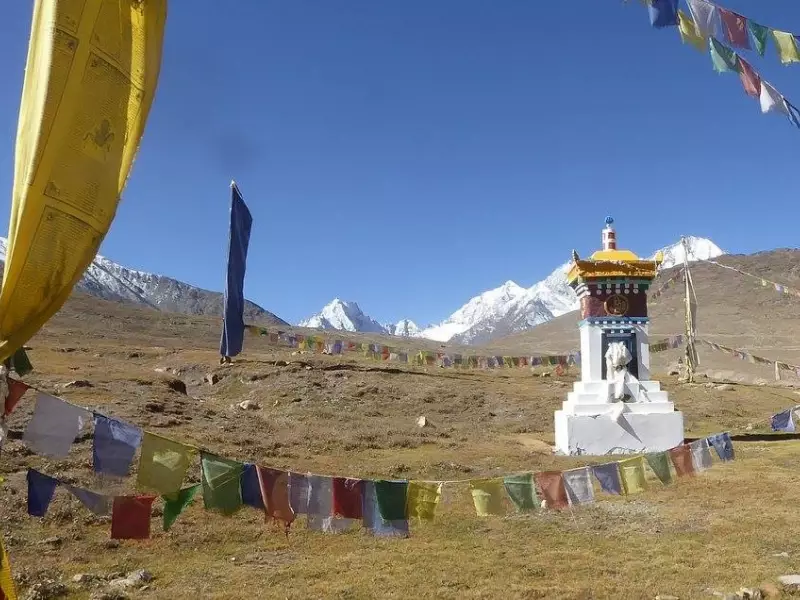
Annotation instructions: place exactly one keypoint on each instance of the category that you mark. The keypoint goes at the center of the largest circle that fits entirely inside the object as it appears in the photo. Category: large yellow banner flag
(90, 78)
(7, 591)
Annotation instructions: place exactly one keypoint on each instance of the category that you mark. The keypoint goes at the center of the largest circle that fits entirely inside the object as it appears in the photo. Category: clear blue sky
(409, 155)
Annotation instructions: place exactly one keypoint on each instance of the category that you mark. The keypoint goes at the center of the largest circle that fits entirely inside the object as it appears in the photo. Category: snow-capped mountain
(345, 316)
(509, 308)
(110, 281)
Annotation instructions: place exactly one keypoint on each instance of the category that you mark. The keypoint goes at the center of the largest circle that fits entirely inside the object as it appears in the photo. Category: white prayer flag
(771, 100)
(54, 426)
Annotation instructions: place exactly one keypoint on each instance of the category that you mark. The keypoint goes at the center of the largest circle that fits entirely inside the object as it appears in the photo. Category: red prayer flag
(130, 517)
(347, 497)
(750, 79)
(682, 459)
(16, 390)
(552, 490)
(735, 27)
(274, 486)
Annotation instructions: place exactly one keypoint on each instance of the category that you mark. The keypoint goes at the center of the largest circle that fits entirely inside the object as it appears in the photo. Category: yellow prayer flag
(633, 475)
(163, 464)
(90, 79)
(487, 495)
(422, 499)
(787, 47)
(689, 32)
(7, 591)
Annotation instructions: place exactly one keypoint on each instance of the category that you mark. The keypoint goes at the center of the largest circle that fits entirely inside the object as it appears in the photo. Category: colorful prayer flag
(16, 390)
(347, 497)
(54, 426)
(175, 504)
(274, 485)
(221, 483)
(130, 517)
(298, 493)
(735, 27)
(578, 483)
(659, 463)
(783, 421)
(705, 17)
(689, 35)
(723, 445)
(609, 478)
(759, 34)
(233, 302)
(374, 522)
(723, 58)
(663, 13)
(163, 464)
(7, 591)
(115, 443)
(251, 490)
(422, 499)
(751, 82)
(771, 100)
(487, 496)
(320, 506)
(550, 485)
(681, 457)
(392, 498)
(701, 455)
(98, 504)
(41, 489)
(633, 475)
(522, 491)
(787, 47)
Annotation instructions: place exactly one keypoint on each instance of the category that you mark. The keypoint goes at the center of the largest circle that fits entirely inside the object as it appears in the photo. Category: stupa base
(633, 433)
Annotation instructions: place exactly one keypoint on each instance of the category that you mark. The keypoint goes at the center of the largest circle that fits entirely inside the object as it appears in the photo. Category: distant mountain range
(502, 311)
(111, 281)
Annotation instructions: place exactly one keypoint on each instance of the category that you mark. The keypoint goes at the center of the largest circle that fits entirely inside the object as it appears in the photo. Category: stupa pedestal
(615, 408)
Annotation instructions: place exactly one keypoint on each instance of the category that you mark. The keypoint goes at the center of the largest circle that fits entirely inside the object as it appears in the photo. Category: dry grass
(718, 530)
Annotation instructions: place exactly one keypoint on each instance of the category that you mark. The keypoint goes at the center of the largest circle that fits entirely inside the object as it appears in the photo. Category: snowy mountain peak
(698, 248)
(343, 315)
(403, 328)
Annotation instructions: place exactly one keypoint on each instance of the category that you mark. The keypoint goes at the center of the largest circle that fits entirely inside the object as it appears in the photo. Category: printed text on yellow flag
(90, 78)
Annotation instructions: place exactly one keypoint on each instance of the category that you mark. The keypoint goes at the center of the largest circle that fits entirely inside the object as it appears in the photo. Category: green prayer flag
(723, 58)
(222, 489)
(659, 463)
(759, 34)
(391, 497)
(19, 362)
(163, 464)
(175, 504)
(522, 491)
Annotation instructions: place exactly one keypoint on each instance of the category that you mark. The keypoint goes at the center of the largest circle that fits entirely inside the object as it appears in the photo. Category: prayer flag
(783, 421)
(54, 426)
(659, 463)
(115, 443)
(392, 497)
(608, 476)
(41, 488)
(373, 521)
(701, 455)
(175, 504)
(16, 390)
(689, 35)
(98, 504)
(681, 457)
(551, 489)
(163, 464)
(233, 308)
(794, 118)
(487, 496)
(633, 477)
(663, 13)
(19, 362)
(787, 47)
(347, 497)
(251, 490)
(130, 517)
(578, 483)
(759, 34)
(705, 17)
(422, 499)
(274, 485)
(298, 493)
(221, 483)
(771, 100)
(522, 491)
(723, 445)
(751, 82)
(320, 506)
(735, 27)
(7, 591)
(723, 58)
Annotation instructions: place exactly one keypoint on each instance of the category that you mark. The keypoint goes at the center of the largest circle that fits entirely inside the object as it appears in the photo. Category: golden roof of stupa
(605, 264)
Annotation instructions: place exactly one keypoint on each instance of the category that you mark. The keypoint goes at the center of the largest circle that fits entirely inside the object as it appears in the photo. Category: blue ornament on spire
(609, 221)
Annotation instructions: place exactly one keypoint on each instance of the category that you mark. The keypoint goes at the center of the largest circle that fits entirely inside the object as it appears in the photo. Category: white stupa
(615, 408)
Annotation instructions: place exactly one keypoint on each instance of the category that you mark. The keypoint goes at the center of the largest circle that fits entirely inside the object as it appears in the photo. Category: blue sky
(409, 155)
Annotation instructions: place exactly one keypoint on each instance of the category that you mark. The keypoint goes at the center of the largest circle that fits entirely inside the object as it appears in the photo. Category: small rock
(750, 594)
(422, 422)
(249, 405)
(790, 580)
(46, 590)
(135, 579)
(111, 544)
(297, 399)
(276, 403)
(666, 597)
(52, 541)
(83, 578)
(78, 383)
(749, 427)
(309, 367)
(724, 387)
(781, 555)
(162, 369)
(211, 378)
(152, 406)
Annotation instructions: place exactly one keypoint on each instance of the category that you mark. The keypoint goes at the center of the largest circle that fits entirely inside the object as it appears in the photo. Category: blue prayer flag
(783, 421)
(608, 476)
(41, 488)
(233, 308)
(97, 503)
(251, 490)
(723, 445)
(115, 443)
(373, 521)
(663, 13)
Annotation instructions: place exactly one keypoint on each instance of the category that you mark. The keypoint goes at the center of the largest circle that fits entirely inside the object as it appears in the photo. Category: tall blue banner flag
(233, 308)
